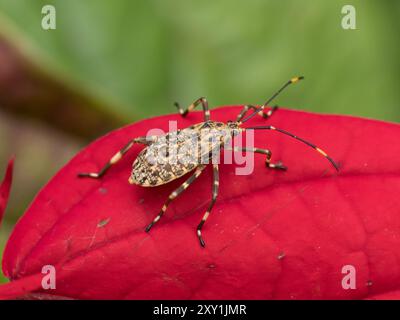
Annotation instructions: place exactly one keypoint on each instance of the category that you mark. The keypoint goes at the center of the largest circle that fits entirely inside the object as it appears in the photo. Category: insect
(154, 165)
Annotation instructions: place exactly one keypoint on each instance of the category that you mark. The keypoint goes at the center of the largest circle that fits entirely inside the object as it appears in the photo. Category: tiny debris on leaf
(281, 256)
(103, 223)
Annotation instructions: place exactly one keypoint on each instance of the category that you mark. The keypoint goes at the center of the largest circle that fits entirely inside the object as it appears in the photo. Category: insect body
(190, 150)
(173, 155)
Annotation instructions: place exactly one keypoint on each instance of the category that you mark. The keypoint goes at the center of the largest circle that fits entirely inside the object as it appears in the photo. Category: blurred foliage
(29, 91)
(40, 151)
(147, 54)
(3, 240)
(138, 57)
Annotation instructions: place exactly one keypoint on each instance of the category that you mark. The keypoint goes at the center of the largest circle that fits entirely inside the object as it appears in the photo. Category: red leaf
(271, 234)
(5, 187)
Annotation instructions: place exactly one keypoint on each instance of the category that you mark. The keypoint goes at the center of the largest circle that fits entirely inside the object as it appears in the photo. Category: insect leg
(263, 114)
(175, 194)
(117, 157)
(279, 165)
(201, 101)
(319, 150)
(214, 198)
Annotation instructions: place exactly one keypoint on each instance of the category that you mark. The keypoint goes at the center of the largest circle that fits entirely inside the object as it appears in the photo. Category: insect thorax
(179, 152)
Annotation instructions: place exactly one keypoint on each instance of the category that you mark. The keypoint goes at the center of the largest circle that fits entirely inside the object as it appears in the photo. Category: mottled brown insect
(177, 153)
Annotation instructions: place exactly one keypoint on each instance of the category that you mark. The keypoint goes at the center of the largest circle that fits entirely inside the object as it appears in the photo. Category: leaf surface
(271, 234)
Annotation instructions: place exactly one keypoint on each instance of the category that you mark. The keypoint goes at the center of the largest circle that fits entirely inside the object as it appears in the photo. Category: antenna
(293, 80)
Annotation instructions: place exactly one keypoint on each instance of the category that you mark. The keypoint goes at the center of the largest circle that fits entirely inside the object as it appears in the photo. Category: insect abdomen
(146, 174)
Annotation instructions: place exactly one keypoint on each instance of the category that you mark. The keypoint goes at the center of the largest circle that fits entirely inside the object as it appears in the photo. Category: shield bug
(170, 156)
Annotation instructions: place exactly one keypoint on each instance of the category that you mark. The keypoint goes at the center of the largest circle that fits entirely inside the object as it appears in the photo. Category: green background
(138, 57)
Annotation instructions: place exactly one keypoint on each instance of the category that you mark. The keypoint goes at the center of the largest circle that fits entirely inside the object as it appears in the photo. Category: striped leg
(214, 198)
(279, 165)
(117, 157)
(175, 194)
(201, 101)
(263, 114)
(319, 150)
